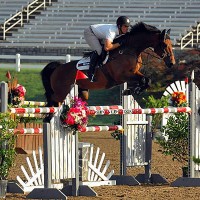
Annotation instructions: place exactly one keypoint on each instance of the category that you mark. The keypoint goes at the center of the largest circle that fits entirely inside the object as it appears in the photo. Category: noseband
(164, 54)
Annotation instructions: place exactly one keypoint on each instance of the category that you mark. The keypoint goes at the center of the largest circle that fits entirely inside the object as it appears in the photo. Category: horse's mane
(142, 27)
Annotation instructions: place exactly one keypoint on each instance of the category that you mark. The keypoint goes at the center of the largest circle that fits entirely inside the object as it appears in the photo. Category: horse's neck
(122, 51)
(136, 44)
(143, 41)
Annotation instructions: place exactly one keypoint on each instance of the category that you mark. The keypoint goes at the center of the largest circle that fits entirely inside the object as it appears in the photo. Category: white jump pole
(3, 96)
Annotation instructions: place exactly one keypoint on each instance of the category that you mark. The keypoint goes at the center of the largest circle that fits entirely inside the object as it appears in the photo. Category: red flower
(20, 91)
(75, 116)
(70, 119)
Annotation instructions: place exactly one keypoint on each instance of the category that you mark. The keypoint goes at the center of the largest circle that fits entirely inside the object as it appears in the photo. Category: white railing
(187, 36)
(19, 57)
(20, 20)
(198, 33)
(36, 8)
(28, 12)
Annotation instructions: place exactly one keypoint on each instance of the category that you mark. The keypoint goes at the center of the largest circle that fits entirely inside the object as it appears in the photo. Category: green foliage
(176, 143)
(151, 102)
(196, 160)
(7, 142)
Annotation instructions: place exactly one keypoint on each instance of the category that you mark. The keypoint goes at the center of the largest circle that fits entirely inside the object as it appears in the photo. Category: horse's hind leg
(83, 94)
(51, 103)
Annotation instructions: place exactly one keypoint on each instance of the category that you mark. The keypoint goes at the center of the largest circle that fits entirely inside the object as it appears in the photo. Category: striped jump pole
(84, 129)
(101, 128)
(95, 109)
(31, 115)
(45, 110)
(28, 130)
(111, 107)
(34, 103)
(139, 111)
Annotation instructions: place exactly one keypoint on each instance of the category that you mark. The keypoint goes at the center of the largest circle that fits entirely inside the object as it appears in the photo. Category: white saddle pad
(83, 64)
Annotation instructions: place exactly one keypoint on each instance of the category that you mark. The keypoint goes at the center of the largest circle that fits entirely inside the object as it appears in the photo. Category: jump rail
(86, 129)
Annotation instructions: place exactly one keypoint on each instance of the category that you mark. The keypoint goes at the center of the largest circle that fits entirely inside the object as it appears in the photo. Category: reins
(148, 55)
(121, 51)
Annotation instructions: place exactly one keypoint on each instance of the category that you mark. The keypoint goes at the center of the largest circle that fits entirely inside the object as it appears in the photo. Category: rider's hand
(110, 46)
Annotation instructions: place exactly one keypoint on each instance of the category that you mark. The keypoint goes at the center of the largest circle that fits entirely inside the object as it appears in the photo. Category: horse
(122, 66)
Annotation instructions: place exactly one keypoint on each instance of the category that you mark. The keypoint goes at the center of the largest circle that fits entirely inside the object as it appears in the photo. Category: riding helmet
(123, 20)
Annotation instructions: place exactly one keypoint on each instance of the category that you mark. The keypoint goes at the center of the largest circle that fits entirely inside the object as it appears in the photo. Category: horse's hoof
(137, 91)
(48, 118)
(126, 92)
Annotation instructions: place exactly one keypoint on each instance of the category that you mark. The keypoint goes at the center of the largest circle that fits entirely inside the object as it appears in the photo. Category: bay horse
(122, 66)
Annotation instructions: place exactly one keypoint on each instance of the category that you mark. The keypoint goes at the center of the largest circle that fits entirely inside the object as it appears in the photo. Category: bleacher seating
(63, 22)
(10, 7)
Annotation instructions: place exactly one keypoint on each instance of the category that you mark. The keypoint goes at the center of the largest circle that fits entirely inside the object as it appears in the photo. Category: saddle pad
(83, 64)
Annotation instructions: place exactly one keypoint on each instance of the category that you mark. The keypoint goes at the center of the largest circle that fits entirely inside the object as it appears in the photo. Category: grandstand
(59, 24)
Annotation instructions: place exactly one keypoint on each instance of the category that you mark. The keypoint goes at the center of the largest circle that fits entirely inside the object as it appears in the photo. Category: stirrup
(93, 79)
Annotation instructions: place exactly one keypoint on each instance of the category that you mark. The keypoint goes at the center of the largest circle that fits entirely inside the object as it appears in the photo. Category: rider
(105, 33)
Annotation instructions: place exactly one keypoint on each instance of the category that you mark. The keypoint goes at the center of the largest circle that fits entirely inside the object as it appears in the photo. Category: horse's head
(164, 48)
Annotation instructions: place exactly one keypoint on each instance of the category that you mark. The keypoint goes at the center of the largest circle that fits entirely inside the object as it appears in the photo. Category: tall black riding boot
(93, 63)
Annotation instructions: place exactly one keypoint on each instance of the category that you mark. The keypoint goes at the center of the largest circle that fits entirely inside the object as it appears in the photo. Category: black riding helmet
(123, 20)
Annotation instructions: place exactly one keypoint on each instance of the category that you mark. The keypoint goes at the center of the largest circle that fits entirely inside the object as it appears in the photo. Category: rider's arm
(110, 46)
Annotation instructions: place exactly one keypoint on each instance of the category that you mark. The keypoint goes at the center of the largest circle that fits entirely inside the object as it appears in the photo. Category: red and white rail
(139, 111)
(34, 103)
(85, 129)
(105, 107)
(28, 130)
(101, 128)
(34, 110)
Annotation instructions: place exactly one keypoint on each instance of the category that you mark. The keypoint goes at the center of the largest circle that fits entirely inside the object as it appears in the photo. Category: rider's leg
(94, 43)
(92, 40)
(93, 63)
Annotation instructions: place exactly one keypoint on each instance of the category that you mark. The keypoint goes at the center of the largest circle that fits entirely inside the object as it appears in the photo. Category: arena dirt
(161, 164)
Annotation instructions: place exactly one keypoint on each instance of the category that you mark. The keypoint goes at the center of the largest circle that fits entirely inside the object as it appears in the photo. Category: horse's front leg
(137, 84)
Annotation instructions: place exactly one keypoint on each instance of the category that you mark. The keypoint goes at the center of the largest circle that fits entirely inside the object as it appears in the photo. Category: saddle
(84, 63)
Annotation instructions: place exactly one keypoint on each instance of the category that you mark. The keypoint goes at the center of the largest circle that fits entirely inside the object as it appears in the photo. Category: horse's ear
(162, 35)
(168, 31)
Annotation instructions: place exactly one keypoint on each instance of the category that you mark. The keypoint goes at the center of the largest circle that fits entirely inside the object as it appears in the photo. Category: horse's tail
(45, 75)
